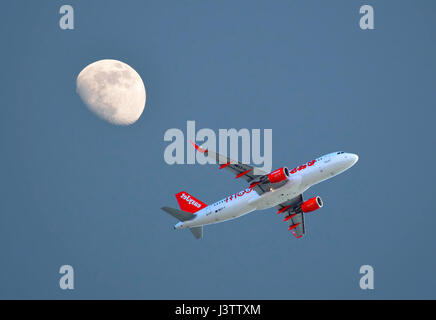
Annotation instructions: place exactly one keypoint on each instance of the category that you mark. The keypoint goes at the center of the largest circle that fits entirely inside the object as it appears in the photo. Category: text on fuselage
(303, 166)
(239, 194)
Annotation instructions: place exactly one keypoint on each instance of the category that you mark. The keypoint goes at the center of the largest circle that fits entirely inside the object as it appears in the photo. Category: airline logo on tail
(189, 203)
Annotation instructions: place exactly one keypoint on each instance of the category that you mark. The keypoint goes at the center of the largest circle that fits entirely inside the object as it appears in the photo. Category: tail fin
(189, 203)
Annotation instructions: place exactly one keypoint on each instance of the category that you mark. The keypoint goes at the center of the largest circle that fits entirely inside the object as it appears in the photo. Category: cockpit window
(340, 152)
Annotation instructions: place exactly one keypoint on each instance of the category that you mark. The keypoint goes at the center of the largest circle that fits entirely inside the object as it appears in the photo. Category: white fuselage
(300, 179)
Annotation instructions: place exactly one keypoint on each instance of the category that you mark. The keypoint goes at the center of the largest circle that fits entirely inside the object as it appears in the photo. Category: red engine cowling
(278, 175)
(311, 204)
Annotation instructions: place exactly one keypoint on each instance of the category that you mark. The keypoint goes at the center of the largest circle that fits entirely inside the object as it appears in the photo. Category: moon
(112, 90)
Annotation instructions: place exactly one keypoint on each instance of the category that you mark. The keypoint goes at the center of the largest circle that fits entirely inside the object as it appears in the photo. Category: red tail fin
(189, 203)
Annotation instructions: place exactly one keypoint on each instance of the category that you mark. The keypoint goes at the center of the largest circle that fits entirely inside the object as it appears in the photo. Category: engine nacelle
(312, 204)
(278, 175)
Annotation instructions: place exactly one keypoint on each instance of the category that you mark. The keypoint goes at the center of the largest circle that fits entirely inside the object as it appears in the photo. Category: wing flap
(293, 215)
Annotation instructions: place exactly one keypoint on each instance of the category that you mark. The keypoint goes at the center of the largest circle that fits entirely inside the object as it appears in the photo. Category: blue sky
(77, 190)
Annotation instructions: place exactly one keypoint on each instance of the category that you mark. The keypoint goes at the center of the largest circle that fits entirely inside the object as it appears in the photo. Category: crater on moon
(113, 90)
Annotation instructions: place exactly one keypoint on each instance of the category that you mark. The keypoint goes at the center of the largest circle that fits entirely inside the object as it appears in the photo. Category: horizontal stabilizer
(197, 232)
(178, 214)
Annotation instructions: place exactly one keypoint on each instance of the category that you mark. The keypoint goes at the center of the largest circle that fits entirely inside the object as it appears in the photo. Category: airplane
(282, 189)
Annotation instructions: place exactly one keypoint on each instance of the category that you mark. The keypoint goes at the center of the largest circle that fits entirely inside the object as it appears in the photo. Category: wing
(293, 215)
(257, 178)
(249, 173)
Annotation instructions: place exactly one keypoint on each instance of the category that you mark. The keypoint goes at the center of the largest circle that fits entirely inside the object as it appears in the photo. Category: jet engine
(278, 175)
(311, 205)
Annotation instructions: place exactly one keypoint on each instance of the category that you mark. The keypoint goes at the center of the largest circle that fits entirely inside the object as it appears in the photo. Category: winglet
(295, 235)
(198, 148)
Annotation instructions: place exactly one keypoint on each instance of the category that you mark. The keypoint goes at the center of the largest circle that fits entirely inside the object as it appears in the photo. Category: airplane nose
(353, 158)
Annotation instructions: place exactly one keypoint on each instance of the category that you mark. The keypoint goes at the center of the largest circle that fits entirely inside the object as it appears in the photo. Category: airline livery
(282, 189)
